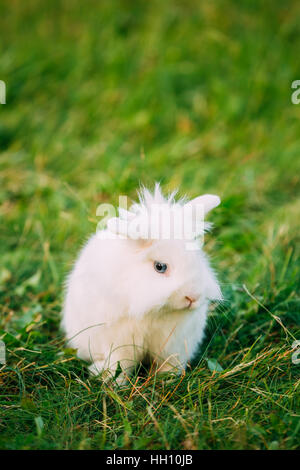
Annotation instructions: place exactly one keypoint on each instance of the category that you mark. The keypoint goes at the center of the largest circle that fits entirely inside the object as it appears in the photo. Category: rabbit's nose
(190, 299)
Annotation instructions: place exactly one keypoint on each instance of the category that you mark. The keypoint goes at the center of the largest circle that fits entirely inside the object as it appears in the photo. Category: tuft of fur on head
(138, 221)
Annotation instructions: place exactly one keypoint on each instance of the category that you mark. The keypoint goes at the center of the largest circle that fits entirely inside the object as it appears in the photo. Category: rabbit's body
(119, 309)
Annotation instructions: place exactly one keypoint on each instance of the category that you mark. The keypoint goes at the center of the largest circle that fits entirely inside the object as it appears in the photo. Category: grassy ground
(100, 97)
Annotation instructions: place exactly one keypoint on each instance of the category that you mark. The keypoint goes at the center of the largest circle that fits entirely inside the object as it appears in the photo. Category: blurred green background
(103, 96)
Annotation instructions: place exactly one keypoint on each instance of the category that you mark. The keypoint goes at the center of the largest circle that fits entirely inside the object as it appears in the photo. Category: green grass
(100, 97)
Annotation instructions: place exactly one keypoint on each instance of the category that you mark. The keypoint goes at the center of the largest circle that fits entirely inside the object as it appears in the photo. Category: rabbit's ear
(125, 214)
(130, 230)
(118, 226)
(208, 201)
(122, 227)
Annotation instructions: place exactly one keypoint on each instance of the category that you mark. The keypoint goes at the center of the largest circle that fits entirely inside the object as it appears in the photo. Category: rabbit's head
(163, 267)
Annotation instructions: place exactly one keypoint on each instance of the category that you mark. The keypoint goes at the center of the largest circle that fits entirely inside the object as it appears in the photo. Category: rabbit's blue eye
(160, 267)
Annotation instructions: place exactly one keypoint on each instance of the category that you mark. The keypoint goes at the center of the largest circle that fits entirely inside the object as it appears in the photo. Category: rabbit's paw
(107, 375)
(98, 368)
(122, 379)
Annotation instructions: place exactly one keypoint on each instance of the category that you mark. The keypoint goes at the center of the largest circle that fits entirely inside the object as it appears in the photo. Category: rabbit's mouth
(185, 303)
(190, 301)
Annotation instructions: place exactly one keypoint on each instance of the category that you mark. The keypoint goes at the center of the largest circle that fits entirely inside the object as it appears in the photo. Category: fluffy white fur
(119, 309)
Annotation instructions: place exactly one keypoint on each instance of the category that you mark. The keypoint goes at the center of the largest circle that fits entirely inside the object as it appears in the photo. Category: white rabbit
(130, 297)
